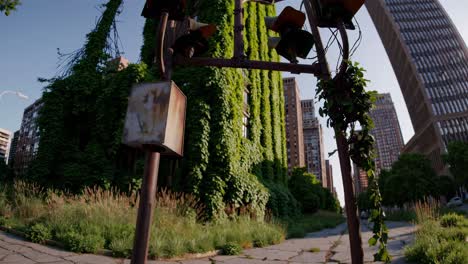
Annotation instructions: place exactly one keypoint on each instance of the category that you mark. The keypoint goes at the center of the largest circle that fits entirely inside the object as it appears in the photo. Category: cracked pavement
(326, 246)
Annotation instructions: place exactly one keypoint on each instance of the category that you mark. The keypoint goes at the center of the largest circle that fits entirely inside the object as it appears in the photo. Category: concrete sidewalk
(326, 246)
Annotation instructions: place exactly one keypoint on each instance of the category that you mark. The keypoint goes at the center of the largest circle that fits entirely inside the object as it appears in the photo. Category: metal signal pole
(150, 176)
(357, 254)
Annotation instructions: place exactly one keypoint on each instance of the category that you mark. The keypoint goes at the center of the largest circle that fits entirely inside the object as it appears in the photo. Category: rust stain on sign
(156, 117)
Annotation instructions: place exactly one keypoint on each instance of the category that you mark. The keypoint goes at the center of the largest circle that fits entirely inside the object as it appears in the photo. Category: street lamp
(17, 93)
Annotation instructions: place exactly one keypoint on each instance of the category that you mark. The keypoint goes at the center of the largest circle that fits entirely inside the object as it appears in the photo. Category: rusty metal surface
(249, 64)
(156, 116)
(146, 208)
(175, 128)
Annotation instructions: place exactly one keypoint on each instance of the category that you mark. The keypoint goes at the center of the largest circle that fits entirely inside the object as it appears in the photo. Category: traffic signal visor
(293, 41)
(289, 18)
(195, 43)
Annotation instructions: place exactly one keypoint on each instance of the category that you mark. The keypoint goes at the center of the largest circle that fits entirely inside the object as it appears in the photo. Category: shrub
(231, 249)
(310, 202)
(308, 191)
(39, 233)
(452, 220)
(82, 243)
(436, 244)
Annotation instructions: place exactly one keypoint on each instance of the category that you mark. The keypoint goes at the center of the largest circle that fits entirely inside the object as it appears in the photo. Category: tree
(363, 201)
(309, 192)
(6, 6)
(411, 179)
(457, 158)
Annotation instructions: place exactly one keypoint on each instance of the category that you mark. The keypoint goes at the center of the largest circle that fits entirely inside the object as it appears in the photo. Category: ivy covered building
(235, 152)
(235, 133)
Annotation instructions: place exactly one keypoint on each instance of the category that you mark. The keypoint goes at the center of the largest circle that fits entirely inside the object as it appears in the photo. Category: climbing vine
(230, 173)
(347, 105)
(81, 120)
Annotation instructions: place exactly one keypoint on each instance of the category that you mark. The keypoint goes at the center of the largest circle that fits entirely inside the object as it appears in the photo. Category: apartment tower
(294, 136)
(430, 61)
(329, 174)
(5, 136)
(313, 142)
(13, 145)
(28, 139)
(387, 133)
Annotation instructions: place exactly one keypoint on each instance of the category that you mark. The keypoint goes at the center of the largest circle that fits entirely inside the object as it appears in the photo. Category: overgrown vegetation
(309, 192)
(81, 121)
(104, 219)
(457, 158)
(299, 227)
(439, 239)
(412, 179)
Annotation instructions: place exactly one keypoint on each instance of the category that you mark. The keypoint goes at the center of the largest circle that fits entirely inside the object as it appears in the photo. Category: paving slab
(333, 245)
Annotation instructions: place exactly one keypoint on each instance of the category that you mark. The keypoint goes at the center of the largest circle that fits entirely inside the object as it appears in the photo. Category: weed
(231, 249)
(39, 233)
(314, 250)
(439, 241)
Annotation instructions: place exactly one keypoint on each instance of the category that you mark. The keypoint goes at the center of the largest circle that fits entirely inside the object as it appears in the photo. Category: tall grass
(440, 239)
(105, 219)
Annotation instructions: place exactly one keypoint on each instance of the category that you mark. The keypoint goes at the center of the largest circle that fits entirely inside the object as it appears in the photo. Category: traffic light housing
(293, 41)
(329, 12)
(175, 8)
(195, 43)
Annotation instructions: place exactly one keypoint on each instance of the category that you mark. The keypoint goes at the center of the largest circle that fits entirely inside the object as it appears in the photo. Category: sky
(31, 36)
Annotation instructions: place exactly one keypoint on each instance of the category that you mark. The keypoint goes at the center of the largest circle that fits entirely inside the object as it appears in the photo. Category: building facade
(329, 176)
(28, 139)
(313, 142)
(293, 118)
(387, 133)
(13, 145)
(5, 137)
(360, 180)
(430, 61)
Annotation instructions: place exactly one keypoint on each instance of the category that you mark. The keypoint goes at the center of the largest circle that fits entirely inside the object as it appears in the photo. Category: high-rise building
(313, 142)
(386, 131)
(430, 60)
(28, 139)
(13, 145)
(4, 144)
(360, 179)
(293, 113)
(329, 174)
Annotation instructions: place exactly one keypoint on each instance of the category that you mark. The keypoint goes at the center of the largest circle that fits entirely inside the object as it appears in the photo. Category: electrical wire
(358, 42)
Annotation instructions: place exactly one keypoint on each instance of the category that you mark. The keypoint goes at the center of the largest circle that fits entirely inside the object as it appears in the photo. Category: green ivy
(224, 169)
(347, 104)
(81, 121)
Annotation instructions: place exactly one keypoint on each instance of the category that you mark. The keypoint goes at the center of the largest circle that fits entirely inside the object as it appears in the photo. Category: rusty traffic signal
(195, 43)
(330, 12)
(293, 41)
(175, 8)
